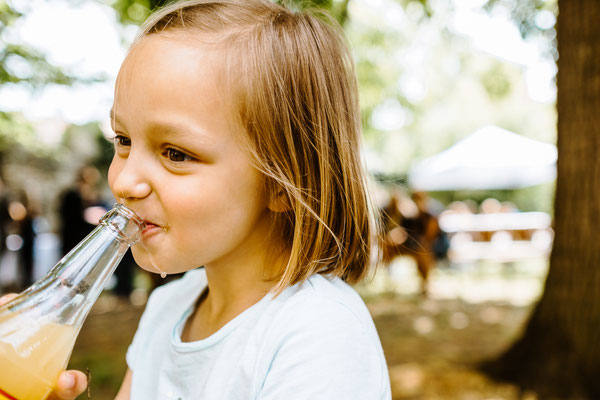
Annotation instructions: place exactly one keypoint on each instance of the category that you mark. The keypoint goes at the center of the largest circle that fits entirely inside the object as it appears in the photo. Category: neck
(233, 287)
(228, 293)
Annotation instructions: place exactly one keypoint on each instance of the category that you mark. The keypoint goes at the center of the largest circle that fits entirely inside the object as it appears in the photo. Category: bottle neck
(68, 292)
(85, 271)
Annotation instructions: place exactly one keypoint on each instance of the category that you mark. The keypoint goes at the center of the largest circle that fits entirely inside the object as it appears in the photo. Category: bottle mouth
(125, 223)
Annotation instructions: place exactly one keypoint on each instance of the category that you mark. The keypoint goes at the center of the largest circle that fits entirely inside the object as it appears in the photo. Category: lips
(151, 229)
(149, 226)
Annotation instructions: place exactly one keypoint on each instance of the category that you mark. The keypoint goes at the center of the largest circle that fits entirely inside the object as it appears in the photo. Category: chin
(146, 261)
(146, 266)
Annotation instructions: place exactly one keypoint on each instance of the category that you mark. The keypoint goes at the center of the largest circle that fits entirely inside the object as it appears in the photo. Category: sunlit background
(458, 102)
(430, 74)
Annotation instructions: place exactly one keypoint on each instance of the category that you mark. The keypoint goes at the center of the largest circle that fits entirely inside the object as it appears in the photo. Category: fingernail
(66, 381)
(6, 298)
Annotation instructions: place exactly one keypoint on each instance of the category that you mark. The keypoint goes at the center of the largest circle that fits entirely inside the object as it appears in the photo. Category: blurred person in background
(27, 233)
(74, 202)
(4, 217)
(490, 206)
(422, 231)
(81, 208)
(124, 274)
(411, 229)
(22, 237)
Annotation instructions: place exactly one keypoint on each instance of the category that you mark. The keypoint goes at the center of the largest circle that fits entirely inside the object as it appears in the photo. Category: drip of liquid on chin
(163, 274)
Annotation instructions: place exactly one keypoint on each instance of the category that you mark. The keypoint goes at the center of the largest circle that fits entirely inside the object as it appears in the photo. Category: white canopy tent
(490, 158)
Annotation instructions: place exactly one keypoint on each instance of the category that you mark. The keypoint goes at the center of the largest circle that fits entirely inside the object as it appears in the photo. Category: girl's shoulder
(325, 289)
(322, 303)
(322, 325)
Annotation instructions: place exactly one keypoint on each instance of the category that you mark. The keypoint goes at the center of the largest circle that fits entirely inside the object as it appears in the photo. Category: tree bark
(559, 352)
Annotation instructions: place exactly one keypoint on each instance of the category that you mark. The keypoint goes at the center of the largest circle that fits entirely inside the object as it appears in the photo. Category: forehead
(172, 72)
(173, 59)
(174, 79)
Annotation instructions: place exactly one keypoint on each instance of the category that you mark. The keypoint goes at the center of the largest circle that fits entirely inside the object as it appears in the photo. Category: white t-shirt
(313, 341)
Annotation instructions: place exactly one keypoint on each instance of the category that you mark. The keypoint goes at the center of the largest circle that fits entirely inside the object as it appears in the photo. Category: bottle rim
(130, 215)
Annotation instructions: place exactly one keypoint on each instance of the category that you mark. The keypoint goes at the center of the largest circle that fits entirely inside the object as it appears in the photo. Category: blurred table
(502, 237)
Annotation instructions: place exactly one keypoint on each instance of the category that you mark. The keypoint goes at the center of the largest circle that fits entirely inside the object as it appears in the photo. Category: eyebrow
(181, 132)
(175, 129)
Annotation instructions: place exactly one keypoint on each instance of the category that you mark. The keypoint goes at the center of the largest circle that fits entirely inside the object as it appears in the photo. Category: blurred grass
(102, 344)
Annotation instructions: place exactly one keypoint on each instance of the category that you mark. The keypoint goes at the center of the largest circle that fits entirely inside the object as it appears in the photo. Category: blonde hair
(296, 98)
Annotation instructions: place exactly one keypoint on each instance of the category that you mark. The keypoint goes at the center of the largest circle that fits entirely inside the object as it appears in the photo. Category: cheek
(200, 212)
(215, 205)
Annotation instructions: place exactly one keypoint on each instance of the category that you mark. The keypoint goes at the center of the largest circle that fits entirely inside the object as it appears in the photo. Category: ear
(279, 202)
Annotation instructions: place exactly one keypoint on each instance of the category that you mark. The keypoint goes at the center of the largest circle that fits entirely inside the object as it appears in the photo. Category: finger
(6, 298)
(70, 384)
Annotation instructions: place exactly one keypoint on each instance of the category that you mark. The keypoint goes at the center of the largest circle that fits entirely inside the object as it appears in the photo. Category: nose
(129, 179)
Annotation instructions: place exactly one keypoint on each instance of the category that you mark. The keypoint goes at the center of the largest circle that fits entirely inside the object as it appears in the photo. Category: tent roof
(490, 158)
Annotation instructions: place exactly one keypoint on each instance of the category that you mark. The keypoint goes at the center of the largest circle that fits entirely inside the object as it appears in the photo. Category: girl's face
(177, 161)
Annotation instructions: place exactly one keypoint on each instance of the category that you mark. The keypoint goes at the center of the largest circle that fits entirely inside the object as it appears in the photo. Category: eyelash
(120, 139)
(169, 152)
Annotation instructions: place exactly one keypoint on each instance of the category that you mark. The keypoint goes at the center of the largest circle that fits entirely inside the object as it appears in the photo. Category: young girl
(237, 132)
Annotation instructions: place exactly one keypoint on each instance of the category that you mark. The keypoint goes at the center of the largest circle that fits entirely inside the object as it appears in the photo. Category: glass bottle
(38, 328)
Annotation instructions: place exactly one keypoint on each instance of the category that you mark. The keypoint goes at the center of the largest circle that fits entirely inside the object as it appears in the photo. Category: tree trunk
(559, 353)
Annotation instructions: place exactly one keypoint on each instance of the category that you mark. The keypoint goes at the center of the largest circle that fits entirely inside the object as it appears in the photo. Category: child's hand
(70, 383)
(6, 298)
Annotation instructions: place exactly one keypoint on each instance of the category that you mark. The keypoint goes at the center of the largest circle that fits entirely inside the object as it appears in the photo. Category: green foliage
(23, 65)
(136, 11)
(525, 13)
(7, 15)
(496, 82)
(14, 129)
(528, 15)
(441, 88)
(31, 66)
(424, 5)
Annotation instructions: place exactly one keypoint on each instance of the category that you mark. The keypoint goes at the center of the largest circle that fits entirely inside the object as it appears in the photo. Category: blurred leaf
(7, 15)
(38, 71)
(133, 11)
(13, 129)
(525, 13)
(496, 82)
(136, 11)
(41, 73)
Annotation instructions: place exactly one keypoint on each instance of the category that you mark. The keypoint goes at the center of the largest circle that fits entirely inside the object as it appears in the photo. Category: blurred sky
(86, 40)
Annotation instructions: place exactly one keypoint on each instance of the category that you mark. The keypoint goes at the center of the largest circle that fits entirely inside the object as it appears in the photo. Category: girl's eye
(122, 145)
(176, 155)
(121, 140)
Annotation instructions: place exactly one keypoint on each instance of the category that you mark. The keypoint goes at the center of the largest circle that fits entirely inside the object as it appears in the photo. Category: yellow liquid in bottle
(29, 367)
